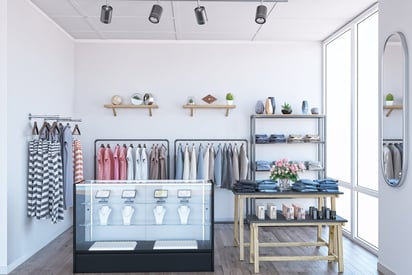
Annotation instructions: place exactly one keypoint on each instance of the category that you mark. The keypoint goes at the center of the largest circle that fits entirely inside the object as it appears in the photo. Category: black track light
(261, 13)
(201, 17)
(106, 14)
(155, 14)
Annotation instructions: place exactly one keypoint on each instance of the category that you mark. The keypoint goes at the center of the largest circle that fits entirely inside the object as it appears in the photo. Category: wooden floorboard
(57, 258)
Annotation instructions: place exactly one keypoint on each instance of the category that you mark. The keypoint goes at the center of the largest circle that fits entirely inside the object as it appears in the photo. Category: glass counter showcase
(141, 226)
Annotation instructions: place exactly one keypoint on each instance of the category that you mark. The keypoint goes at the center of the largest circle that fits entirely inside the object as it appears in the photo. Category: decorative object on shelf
(285, 171)
(127, 214)
(273, 101)
(136, 99)
(159, 213)
(117, 100)
(104, 213)
(314, 111)
(389, 99)
(268, 106)
(191, 100)
(229, 98)
(305, 107)
(259, 107)
(184, 212)
(148, 99)
(209, 99)
(286, 109)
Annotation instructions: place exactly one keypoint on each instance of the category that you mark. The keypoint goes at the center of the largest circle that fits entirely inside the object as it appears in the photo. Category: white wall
(41, 81)
(395, 240)
(3, 136)
(172, 71)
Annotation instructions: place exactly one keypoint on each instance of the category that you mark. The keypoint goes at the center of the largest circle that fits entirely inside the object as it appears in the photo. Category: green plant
(389, 97)
(137, 97)
(229, 96)
(286, 107)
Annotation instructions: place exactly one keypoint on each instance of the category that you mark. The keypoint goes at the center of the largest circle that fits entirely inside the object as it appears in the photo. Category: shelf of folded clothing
(391, 108)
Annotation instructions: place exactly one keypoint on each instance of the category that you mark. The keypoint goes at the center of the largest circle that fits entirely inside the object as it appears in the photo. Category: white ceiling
(294, 20)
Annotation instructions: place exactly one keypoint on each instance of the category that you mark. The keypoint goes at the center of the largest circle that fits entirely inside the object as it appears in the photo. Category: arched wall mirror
(394, 107)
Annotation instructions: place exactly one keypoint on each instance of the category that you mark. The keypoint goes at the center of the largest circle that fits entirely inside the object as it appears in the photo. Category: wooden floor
(57, 259)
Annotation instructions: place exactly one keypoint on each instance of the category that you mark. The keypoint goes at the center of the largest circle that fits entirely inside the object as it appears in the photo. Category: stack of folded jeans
(262, 165)
(277, 138)
(261, 138)
(295, 138)
(245, 186)
(305, 185)
(267, 185)
(311, 138)
(328, 185)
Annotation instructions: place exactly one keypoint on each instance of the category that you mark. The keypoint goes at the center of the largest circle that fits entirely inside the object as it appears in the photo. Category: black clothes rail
(219, 167)
(155, 162)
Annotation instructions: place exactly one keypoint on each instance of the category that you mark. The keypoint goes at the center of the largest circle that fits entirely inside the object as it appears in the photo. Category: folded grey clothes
(295, 138)
(313, 165)
(311, 138)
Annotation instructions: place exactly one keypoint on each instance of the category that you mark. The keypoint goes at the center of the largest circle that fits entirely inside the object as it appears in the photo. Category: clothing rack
(393, 139)
(54, 117)
(147, 142)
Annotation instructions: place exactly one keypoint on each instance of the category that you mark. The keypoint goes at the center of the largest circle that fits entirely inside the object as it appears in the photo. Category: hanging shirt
(179, 163)
(206, 163)
(78, 161)
(145, 164)
(200, 164)
(67, 146)
(138, 164)
(218, 167)
(211, 163)
(108, 164)
(186, 166)
(154, 163)
(162, 162)
(243, 163)
(130, 164)
(193, 168)
(116, 155)
(235, 164)
(100, 162)
(123, 163)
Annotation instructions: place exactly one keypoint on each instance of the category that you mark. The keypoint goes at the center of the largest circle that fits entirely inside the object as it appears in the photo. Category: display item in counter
(313, 165)
(311, 138)
(184, 212)
(104, 213)
(272, 211)
(159, 213)
(127, 214)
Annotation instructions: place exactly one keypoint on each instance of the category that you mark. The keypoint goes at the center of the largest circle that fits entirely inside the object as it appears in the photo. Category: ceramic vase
(272, 100)
(268, 106)
(305, 107)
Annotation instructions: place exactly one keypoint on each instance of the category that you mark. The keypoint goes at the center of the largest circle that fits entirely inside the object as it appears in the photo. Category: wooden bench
(334, 244)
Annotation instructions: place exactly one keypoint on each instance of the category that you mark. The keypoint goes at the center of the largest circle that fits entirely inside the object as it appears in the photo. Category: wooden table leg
(236, 221)
(255, 229)
(251, 245)
(320, 226)
(331, 241)
(241, 229)
(339, 247)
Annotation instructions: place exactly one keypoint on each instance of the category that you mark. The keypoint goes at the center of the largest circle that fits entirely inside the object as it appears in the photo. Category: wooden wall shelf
(390, 108)
(212, 106)
(131, 106)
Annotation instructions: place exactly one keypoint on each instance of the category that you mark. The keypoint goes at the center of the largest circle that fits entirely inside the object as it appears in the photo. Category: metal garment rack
(135, 142)
(54, 117)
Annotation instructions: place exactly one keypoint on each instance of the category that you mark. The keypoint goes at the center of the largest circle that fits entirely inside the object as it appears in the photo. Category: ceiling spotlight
(155, 14)
(261, 12)
(106, 14)
(200, 13)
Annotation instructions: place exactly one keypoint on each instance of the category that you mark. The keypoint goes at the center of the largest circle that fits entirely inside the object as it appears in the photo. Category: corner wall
(40, 79)
(395, 240)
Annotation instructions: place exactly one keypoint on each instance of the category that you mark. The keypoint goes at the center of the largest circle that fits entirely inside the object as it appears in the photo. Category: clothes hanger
(35, 130)
(55, 127)
(76, 130)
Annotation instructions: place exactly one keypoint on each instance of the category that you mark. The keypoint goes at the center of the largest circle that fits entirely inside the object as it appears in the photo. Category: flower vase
(284, 185)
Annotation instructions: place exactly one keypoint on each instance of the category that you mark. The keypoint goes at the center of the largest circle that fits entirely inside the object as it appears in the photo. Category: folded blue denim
(261, 138)
(277, 138)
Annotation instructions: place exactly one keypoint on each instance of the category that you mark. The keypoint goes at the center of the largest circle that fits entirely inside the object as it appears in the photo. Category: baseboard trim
(384, 270)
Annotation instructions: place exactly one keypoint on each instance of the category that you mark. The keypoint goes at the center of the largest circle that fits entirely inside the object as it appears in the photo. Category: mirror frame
(405, 88)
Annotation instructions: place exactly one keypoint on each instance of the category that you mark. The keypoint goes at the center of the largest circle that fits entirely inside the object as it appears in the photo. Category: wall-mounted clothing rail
(393, 139)
(54, 117)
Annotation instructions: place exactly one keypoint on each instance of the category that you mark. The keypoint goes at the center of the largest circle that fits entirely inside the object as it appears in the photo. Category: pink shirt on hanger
(116, 154)
(100, 163)
(108, 164)
(123, 163)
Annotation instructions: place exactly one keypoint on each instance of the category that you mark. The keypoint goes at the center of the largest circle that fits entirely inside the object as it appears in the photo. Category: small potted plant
(229, 99)
(389, 99)
(191, 100)
(286, 109)
(137, 99)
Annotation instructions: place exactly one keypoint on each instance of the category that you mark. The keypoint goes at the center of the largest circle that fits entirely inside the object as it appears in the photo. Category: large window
(351, 97)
